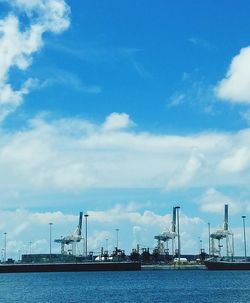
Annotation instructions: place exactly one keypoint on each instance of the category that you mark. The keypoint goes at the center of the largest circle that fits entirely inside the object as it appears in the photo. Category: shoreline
(173, 267)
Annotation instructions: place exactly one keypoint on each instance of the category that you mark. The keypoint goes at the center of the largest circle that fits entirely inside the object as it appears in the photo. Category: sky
(122, 110)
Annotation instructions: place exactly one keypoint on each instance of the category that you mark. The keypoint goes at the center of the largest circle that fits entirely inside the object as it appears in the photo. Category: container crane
(223, 233)
(167, 236)
(72, 239)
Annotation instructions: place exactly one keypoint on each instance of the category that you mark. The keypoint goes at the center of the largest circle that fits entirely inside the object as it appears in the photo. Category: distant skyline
(123, 110)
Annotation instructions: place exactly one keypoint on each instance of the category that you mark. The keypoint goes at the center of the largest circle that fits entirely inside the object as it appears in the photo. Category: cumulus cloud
(120, 213)
(18, 43)
(117, 121)
(184, 176)
(71, 155)
(50, 15)
(213, 201)
(235, 87)
(237, 161)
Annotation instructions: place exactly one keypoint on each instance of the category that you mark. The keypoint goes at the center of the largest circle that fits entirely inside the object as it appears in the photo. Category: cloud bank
(20, 40)
(72, 155)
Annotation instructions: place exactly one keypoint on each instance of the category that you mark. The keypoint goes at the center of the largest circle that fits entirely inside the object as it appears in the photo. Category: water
(143, 286)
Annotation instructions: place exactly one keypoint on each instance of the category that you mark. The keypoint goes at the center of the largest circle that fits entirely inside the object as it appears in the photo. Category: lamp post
(107, 246)
(2, 255)
(244, 233)
(200, 244)
(86, 235)
(178, 232)
(50, 237)
(117, 234)
(5, 242)
(209, 243)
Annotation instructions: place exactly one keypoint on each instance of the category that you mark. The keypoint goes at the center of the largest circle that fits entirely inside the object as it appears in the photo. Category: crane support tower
(220, 234)
(72, 239)
(166, 236)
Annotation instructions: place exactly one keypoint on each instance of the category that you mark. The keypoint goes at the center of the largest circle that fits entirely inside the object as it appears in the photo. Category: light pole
(178, 232)
(209, 243)
(30, 246)
(107, 246)
(117, 235)
(244, 233)
(200, 244)
(50, 237)
(2, 255)
(86, 235)
(5, 242)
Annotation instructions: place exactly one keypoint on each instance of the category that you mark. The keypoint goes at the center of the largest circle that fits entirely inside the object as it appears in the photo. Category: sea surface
(141, 286)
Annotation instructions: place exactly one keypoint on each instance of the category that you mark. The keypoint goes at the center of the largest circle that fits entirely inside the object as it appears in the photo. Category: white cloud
(51, 15)
(120, 213)
(237, 161)
(117, 121)
(235, 86)
(71, 80)
(196, 94)
(10, 99)
(15, 50)
(213, 201)
(18, 45)
(185, 176)
(71, 155)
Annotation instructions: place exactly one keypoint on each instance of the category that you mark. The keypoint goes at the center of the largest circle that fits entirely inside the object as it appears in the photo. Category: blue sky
(136, 58)
(123, 109)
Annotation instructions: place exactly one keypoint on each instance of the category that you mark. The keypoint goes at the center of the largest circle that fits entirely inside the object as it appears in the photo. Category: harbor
(166, 255)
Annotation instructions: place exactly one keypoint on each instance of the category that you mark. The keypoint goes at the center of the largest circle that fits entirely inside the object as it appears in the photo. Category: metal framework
(221, 234)
(71, 239)
(167, 236)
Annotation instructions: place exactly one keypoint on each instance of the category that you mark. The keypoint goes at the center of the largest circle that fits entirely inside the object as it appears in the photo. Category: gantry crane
(72, 239)
(220, 234)
(166, 236)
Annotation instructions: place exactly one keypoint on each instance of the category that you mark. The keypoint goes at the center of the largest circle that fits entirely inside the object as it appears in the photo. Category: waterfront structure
(220, 234)
(72, 239)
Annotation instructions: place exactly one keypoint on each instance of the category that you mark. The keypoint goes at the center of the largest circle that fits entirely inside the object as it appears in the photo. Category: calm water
(145, 286)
